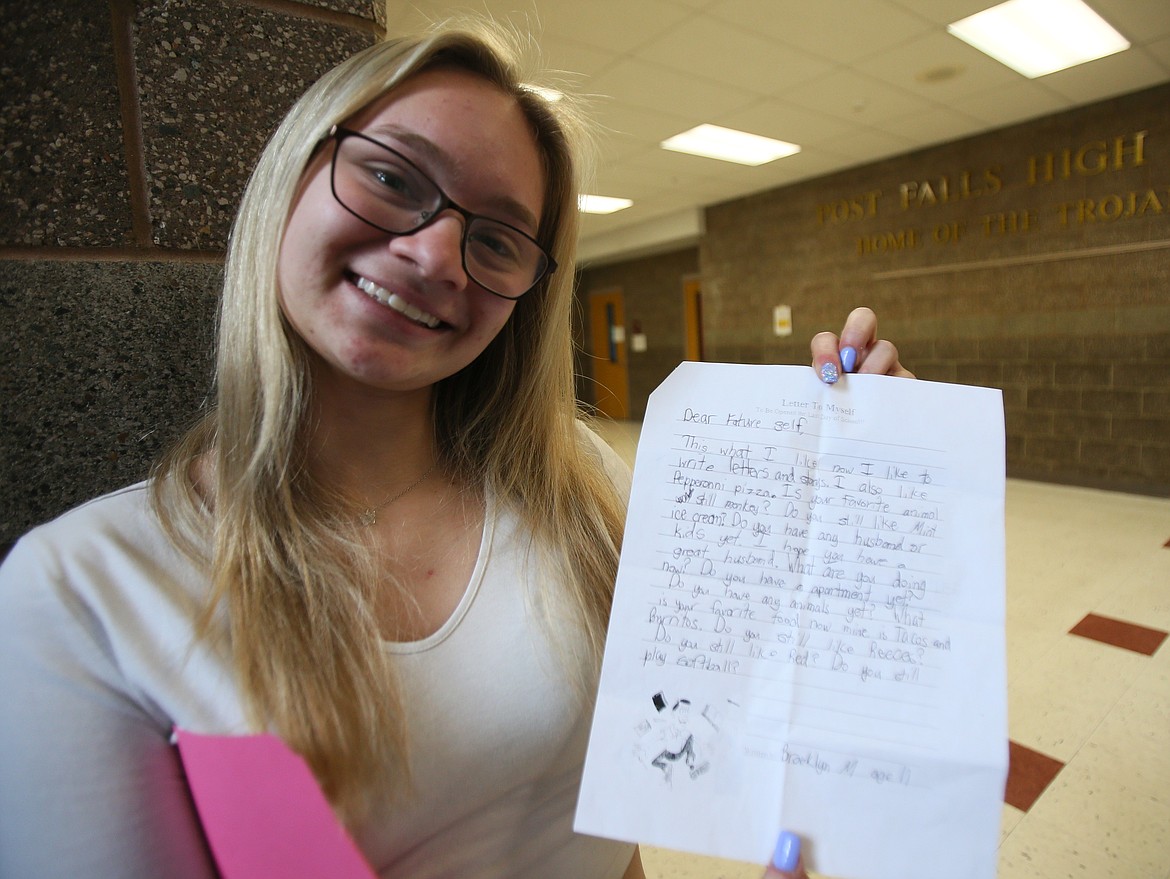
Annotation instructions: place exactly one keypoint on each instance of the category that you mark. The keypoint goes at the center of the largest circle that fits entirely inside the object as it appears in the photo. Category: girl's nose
(437, 250)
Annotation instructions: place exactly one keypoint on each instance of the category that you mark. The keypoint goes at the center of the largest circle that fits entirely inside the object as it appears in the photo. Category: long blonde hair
(291, 584)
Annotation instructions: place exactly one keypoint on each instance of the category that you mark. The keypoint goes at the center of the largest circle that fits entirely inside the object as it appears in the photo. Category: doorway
(693, 319)
(611, 378)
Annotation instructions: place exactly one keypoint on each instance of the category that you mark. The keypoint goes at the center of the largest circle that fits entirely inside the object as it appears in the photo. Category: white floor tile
(1141, 590)
(1056, 705)
(1130, 746)
(1041, 850)
(1110, 822)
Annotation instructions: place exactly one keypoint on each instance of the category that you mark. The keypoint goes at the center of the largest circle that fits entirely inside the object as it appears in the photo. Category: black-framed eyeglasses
(381, 187)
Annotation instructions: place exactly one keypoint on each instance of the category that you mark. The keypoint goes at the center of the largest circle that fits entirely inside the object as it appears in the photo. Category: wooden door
(611, 379)
(693, 319)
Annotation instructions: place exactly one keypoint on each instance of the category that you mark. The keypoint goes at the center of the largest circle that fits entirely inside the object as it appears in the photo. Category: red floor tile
(1119, 633)
(1029, 774)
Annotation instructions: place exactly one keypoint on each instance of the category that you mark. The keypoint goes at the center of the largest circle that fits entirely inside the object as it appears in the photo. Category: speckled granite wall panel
(63, 180)
(215, 80)
(361, 8)
(104, 363)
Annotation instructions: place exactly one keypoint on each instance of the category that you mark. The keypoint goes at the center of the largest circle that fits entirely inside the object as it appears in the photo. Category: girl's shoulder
(112, 516)
(612, 462)
(106, 552)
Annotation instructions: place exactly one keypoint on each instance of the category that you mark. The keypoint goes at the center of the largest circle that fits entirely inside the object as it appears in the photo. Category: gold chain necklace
(369, 516)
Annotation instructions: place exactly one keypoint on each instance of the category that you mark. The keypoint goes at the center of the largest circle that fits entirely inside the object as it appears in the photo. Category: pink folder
(262, 811)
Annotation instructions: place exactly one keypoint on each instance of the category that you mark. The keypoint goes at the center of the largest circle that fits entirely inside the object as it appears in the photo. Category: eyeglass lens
(389, 192)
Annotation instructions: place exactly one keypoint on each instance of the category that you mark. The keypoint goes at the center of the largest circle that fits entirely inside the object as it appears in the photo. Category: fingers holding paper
(857, 349)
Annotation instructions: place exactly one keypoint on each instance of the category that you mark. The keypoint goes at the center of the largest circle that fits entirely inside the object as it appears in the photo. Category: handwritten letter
(807, 632)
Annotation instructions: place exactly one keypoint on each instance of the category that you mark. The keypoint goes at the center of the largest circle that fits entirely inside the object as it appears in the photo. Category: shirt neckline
(452, 622)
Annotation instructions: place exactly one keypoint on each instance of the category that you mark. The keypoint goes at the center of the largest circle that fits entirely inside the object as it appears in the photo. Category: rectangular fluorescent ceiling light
(729, 145)
(601, 204)
(1038, 37)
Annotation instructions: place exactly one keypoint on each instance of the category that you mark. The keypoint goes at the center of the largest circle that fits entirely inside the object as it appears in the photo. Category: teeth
(393, 300)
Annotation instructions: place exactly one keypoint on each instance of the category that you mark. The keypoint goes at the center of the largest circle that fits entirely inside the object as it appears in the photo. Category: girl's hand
(857, 349)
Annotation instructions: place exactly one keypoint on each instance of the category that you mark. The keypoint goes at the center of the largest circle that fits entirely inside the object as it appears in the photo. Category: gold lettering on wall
(1089, 159)
(1093, 158)
(1008, 223)
(888, 242)
(928, 193)
(949, 233)
(855, 208)
(1113, 207)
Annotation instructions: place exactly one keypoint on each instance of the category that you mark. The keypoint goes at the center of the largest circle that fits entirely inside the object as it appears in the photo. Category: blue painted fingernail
(829, 374)
(849, 358)
(787, 852)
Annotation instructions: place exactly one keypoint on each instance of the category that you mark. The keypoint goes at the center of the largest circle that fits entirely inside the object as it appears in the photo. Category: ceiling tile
(1106, 77)
(711, 49)
(618, 25)
(866, 144)
(577, 59)
(942, 12)
(639, 178)
(636, 123)
(856, 29)
(937, 126)
(661, 170)
(1014, 102)
(1139, 21)
(785, 121)
(614, 25)
(916, 67)
(1159, 52)
(857, 99)
(603, 225)
(640, 84)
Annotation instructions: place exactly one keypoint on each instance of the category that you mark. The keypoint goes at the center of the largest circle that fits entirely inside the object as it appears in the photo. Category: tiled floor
(1089, 712)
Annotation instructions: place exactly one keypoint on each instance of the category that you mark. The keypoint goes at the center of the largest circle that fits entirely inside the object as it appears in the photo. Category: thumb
(786, 860)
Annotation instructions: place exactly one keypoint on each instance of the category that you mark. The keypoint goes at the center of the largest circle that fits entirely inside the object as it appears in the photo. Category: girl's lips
(396, 302)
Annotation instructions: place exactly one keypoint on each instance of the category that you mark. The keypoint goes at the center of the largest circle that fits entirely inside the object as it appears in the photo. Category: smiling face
(398, 313)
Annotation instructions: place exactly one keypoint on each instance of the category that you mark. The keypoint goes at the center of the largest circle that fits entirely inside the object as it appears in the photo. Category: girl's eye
(390, 180)
(395, 183)
(496, 244)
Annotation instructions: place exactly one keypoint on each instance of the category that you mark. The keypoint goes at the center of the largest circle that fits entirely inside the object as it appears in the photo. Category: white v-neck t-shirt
(98, 663)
